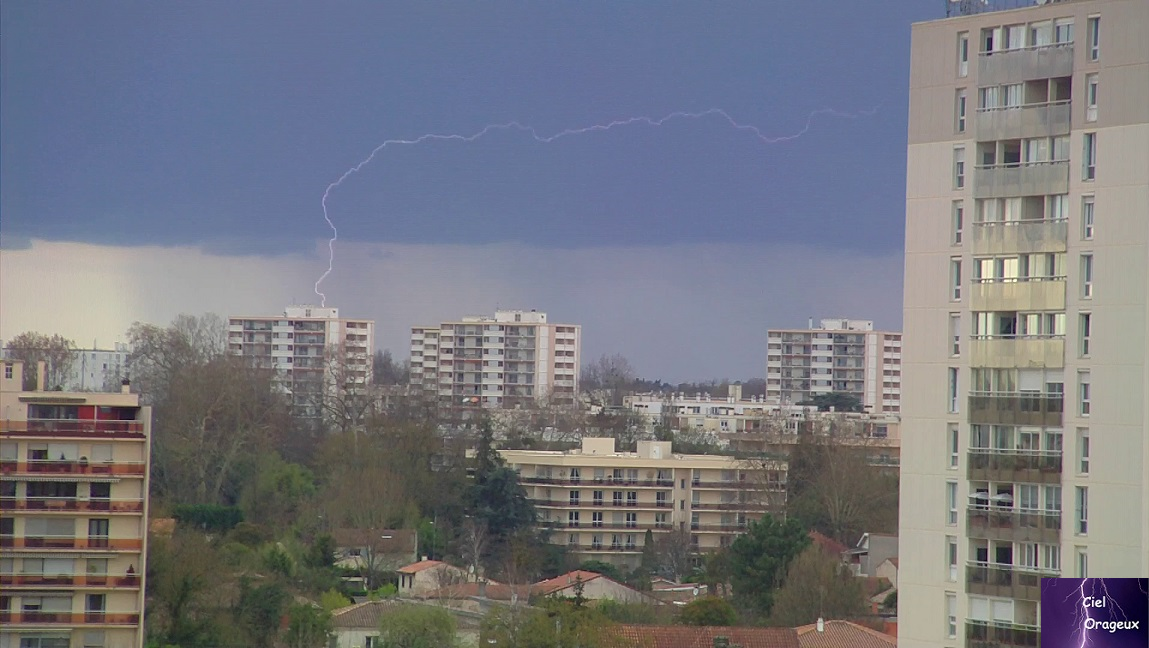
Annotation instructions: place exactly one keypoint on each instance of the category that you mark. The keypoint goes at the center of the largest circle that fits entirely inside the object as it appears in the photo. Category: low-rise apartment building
(73, 515)
(600, 502)
(842, 356)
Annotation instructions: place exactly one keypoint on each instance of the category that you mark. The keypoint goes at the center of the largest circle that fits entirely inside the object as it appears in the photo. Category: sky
(160, 158)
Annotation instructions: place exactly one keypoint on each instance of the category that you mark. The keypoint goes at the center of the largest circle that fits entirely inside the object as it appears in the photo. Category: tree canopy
(759, 559)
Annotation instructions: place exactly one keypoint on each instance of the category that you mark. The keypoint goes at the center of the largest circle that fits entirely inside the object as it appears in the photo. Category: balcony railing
(729, 506)
(73, 428)
(996, 634)
(71, 504)
(1003, 67)
(69, 580)
(1020, 236)
(1001, 523)
(71, 618)
(1029, 120)
(42, 467)
(991, 464)
(1016, 408)
(993, 579)
(9, 541)
(1029, 178)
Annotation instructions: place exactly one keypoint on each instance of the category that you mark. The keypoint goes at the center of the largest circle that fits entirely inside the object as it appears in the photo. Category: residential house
(872, 550)
(358, 626)
(379, 548)
(426, 576)
(842, 634)
(888, 570)
(594, 586)
(677, 636)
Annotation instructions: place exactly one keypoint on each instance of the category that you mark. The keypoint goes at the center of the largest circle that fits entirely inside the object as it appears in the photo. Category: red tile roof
(843, 634)
(703, 637)
(564, 581)
(420, 566)
(828, 544)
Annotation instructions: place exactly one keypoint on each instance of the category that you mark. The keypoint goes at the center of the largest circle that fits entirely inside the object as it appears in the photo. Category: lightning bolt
(547, 139)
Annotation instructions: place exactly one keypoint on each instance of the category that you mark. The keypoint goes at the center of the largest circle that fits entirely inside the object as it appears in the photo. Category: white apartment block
(98, 369)
(600, 502)
(503, 361)
(298, 346)
(1027, 285)
(841, 355)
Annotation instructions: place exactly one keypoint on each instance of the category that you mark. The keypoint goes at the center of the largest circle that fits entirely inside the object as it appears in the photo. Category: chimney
(41, 375)
(125, 386)
(821, 625)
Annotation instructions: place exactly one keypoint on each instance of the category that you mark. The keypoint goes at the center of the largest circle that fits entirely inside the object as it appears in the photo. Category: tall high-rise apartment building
(1026, 369)
(306, 347)
(73, 515)
(841, 355)
(513, 358)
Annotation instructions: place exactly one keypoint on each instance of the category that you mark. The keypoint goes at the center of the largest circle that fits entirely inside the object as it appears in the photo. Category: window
(1051, 557)
(953, 390)
(1086, 276)
(1081, 511)
(1027, 555)
(596, 519)
(958, 221)
(631, 520)
(94, 639)
(955, 278)
(572, 519)
(1041, 34)
(597, 497)
(8, 370)
(1082, 563)
(959, 168)
(632, 498)
(1063, 31)
(951, 615)
(952, 558)
(960, 110)
(955, 334)
(574, 497)
(1090, 156)
(951, 503)
(1083, 451)
(1087, 218)
(1091, 97)
(963, 54)
(1094, 37)
(1084, 393)
(1083, 330)
(952, 444)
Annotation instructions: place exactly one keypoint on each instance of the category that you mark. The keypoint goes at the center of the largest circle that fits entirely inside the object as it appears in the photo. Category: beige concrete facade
(600, 502)
(513, 358)
(73, 516)
(1026, 357)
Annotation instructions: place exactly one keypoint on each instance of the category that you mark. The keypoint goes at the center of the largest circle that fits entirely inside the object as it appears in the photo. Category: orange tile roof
(843, 634)
(564, 581)
(703, 637)
(420, 566)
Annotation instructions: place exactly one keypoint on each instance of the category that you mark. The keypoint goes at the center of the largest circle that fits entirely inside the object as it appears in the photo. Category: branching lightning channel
(534, 134)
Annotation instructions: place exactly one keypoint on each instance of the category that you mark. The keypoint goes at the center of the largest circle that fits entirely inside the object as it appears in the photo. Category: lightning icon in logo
(534, 134)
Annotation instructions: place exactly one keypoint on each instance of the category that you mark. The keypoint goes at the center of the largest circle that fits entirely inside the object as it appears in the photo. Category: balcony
(70, 618)
(69, 580)
(40, 468)
(728, 506)
(1019, 237)
(1028, 466)
(8, 541)
(1015, 525)
(1032, 120)
(1010, 581)
(71, 504)
(73, 428)
(997, 634)
(1031, 179)
(1017, 352)
(1016, 408)
(1032, 294)
(1026, 64)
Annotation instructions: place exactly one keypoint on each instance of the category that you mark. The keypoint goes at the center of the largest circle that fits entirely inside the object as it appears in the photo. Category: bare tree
(675, 554)
(347, 397)
(57, 352)
(385, 371)
(816, 586)
(473, 546)
(160, 354)
(608, 379)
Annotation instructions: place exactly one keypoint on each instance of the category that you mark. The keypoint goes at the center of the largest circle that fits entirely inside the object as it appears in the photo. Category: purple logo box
(1094, 612)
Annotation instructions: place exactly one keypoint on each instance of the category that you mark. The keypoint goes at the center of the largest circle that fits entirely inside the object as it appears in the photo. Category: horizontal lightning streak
(534, 134)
